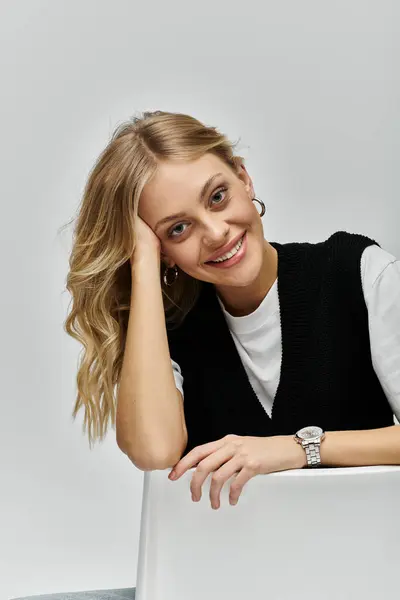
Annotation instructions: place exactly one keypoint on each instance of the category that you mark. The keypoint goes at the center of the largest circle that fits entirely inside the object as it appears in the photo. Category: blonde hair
(99, 276)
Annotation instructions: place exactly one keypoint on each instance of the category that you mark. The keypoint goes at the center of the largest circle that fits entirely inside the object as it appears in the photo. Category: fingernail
(172, 475)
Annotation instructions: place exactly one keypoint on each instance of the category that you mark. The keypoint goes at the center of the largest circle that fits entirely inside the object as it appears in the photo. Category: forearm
(361, 448)
(150, 419)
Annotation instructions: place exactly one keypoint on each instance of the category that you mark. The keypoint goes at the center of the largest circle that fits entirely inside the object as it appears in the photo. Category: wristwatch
(310, 438)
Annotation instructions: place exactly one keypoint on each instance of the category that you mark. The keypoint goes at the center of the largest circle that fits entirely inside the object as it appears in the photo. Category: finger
(237, 485)
(206, 466)
(220, 477)
(195, 456)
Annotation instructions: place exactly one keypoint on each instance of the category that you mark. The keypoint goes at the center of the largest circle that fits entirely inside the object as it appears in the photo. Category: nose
(215, 234)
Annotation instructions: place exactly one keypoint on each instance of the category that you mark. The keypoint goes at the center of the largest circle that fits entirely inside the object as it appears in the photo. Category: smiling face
(201, 210)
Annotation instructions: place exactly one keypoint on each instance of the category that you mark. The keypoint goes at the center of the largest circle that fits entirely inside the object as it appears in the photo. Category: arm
(381, 285)
(361, 448)
(151, 426)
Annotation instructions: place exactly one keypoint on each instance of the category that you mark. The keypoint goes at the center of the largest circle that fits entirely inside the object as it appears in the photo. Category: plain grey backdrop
(312, 90)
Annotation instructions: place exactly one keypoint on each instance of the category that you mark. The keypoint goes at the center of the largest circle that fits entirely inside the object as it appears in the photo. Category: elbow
(155, 465)
(154, 461)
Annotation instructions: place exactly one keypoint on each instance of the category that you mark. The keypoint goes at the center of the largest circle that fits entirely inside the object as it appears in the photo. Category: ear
(246, 179)
(168, 262)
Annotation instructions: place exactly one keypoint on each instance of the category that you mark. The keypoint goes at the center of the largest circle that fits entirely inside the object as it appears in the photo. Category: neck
(241, 301)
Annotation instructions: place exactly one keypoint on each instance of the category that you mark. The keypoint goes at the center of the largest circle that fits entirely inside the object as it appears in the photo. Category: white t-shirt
(258, 339)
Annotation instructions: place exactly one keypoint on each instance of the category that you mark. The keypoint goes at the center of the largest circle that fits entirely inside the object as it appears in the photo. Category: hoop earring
(165, 277)
(261, 203)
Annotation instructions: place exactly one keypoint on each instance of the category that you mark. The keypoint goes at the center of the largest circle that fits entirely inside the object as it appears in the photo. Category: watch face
(308, 433)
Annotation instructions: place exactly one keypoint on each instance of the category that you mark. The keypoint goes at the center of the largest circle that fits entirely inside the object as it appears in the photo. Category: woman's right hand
(146, 241)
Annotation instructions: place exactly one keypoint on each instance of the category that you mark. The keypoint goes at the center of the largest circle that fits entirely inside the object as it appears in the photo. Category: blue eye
(180, 228)
(220, 191)
(174, 233)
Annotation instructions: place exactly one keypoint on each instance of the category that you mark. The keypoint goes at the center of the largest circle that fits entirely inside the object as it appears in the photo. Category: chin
(243, 277)
(245, 281)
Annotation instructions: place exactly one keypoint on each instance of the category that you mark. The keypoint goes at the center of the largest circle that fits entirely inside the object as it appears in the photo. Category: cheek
(185, 254)
(252, 213)
(245, 213)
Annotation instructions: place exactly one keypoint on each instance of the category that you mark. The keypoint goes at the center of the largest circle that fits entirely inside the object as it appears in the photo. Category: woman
(223, 346)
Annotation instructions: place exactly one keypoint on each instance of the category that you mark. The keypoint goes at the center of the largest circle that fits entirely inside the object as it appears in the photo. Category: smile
(232, 257)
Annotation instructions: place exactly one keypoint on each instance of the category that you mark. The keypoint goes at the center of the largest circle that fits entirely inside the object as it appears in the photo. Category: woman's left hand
(246, 456)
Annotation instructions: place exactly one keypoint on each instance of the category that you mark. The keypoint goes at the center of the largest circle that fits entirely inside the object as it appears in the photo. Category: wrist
(300, 457)
(295, 455)
(144, 260)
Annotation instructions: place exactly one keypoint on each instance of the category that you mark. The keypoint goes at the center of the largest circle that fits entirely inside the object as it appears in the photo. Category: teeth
(229, 254)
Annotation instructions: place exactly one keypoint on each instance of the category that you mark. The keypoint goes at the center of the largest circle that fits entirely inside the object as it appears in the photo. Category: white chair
(327, 533)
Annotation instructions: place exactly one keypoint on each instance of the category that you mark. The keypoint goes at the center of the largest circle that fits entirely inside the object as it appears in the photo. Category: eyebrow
(180, 215)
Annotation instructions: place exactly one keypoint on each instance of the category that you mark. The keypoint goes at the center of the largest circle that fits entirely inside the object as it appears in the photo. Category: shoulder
(375, 261)
(341, 251)
(345, 241)
(340, 241)
(344, 250)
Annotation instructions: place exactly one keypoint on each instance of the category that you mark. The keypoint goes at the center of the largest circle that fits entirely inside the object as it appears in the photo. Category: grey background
(312, 90)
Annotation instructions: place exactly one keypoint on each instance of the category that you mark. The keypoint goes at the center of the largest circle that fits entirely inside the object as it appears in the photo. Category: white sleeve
(178, 376)
(381, 285)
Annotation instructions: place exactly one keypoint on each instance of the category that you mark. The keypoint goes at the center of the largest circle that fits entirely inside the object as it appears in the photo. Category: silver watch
(310, 438)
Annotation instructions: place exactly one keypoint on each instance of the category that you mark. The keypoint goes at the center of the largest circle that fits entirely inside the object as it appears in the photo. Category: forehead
(182, 179)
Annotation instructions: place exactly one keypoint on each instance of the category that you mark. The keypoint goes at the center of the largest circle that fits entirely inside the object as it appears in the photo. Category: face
(214, 233)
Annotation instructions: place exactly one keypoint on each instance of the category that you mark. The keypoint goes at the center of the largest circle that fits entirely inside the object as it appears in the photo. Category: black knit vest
(327, 377)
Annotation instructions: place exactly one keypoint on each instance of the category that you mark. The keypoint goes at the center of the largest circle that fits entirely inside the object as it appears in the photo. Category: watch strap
(313, 454)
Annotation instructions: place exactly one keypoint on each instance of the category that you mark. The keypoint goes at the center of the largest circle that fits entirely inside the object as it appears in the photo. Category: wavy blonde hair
(99, 276)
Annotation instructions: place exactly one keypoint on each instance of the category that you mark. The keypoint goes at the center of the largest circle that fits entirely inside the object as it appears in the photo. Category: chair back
(332, 534)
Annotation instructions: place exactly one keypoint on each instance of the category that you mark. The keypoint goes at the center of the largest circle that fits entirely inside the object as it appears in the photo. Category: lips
(227, 248)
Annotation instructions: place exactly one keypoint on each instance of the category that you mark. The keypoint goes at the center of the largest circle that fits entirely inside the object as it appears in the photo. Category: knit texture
(327, 377)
